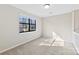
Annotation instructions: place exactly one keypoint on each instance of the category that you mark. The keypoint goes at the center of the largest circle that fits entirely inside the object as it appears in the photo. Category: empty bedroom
(39, 29)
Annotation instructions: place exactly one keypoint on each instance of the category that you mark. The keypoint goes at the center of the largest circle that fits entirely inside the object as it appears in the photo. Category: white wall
(60, 24)
(9, 27)
(76, 30)
(76, 20)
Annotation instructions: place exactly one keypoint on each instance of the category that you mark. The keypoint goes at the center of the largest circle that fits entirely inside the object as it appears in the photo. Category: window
(26, 24)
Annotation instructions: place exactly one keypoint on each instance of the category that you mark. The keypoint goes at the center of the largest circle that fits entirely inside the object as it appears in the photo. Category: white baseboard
(15, 46)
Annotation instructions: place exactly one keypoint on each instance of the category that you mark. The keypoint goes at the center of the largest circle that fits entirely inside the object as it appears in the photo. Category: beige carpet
(44, 46)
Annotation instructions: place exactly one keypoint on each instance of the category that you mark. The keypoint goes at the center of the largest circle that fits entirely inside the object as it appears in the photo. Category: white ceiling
(39, 10)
